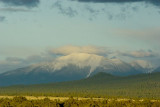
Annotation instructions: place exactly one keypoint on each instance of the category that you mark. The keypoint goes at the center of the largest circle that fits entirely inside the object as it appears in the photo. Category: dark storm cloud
(15, 9)
(27, 3)
(111, 1)
(69, 11)
(2, 18)
(154, 2)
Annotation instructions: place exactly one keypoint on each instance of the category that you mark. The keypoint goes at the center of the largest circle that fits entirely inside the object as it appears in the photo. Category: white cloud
(138, 54)
(66, 50)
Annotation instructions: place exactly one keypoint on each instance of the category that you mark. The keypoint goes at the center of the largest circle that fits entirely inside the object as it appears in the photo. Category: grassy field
(43, 101)
(54, 98)
(78, 98)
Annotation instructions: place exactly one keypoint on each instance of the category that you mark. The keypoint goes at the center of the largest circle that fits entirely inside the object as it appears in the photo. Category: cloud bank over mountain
(66, 50)
(81, 56)
(139, 54)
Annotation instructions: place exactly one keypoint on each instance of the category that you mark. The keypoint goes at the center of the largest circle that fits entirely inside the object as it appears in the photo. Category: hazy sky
(32, 27)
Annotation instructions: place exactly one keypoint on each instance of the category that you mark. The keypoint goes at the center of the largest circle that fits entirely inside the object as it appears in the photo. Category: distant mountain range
(75, 66)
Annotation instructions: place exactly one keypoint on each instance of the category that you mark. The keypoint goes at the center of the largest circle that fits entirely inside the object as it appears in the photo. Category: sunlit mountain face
(75, 39)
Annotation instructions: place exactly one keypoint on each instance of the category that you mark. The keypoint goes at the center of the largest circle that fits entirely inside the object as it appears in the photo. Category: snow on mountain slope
(93, 61)
(79, 59)
(82, 60)
(142, 65)
(116, 67)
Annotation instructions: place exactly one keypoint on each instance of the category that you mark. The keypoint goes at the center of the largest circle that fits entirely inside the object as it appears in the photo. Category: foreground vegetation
(71, 102)
(110, 90)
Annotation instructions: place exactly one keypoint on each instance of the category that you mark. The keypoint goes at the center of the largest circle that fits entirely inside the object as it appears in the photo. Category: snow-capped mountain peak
(73, 67)
(79, 59)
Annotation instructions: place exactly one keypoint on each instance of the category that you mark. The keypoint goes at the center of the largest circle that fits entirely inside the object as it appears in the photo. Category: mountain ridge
(75, 66)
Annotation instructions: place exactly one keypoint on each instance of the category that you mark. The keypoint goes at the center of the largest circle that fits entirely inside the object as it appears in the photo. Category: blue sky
(34, 27)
